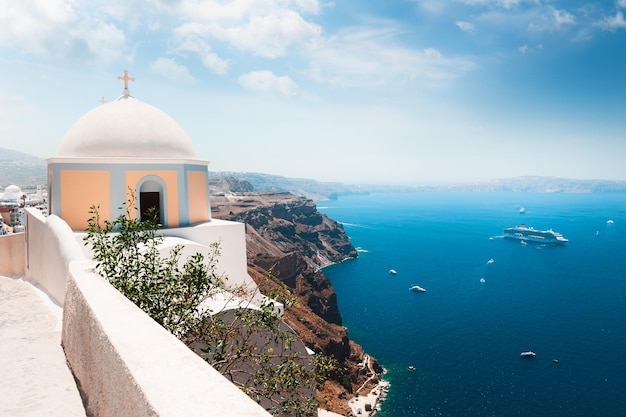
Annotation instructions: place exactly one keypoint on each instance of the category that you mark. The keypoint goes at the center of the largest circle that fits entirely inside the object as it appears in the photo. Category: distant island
(329, 190)
(27, 171)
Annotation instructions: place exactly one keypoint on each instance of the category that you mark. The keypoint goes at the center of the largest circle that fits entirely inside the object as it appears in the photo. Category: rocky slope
(288, 241)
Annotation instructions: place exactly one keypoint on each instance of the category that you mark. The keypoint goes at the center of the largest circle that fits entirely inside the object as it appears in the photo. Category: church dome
(12, 192)
(126, 127)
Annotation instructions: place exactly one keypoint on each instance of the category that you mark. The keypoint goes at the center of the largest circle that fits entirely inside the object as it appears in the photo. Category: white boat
(393, 272)
(417, 288)
(490, 261)
(527, 355)
(522, 210)
(530, 234)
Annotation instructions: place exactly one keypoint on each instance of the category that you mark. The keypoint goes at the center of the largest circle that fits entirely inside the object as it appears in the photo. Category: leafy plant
(249, 344)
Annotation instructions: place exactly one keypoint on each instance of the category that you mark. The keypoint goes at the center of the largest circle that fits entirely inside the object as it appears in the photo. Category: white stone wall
(128, 365)
(50, 247)
(232, 239)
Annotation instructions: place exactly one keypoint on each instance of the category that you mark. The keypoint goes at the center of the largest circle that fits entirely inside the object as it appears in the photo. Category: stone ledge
(128, 365)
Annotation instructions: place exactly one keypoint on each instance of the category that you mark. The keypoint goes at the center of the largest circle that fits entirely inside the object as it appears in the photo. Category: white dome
(12, 192)
(126, 127)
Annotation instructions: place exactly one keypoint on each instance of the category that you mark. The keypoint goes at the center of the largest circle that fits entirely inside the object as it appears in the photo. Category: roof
(126, 127)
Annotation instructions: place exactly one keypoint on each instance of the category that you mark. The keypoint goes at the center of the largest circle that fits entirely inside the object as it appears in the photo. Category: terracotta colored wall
(79, 191)
(12, 249)
(198, 198)
(171, 198)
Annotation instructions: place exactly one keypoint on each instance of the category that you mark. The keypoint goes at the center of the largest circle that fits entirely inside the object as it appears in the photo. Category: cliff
(288, 241)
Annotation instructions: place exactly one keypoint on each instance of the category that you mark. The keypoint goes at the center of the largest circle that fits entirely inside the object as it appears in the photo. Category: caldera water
(454, 350)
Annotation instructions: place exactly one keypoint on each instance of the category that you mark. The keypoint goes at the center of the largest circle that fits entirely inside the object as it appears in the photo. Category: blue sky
(364, 91)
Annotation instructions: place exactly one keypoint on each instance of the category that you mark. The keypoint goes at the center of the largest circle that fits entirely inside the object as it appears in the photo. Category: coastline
(367, 405)
(374, 398)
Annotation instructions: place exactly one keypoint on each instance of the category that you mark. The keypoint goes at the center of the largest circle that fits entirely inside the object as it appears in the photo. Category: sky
(407, 92)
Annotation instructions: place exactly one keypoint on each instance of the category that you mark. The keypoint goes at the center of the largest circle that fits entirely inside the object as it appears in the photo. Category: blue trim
(117, 186)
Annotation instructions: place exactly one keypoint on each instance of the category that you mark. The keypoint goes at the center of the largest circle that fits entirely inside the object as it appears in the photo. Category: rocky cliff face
(288, 240)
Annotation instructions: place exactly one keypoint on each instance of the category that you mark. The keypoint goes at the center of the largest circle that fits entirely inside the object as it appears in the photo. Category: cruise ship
(524, 234)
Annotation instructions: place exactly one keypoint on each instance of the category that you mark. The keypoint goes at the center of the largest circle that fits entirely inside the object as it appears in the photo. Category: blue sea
(464, 335)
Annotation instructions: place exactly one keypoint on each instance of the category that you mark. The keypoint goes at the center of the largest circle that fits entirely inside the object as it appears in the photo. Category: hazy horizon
(386, 183)
(424, 91)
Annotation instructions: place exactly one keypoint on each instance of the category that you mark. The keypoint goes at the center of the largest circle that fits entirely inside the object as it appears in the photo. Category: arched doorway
(151, 197)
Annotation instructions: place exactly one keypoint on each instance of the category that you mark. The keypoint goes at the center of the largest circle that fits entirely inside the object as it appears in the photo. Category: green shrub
(250, 345)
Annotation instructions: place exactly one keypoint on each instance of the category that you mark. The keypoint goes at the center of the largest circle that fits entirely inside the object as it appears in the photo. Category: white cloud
(432, 53)
(268, 35)
(271, 35)
(621, 3)
(509, 4)
(526, 49)
(194, 43)
(506, 4)
(237, 11)
(267, 82)
(465, 26)
(439, 6)
(613, 23)
(431, 6)
(172, 70)
(59, 28)
(562, 17)
(106, 43)
(368, 56)
(129, 12)
(308, 6)
(549, 19)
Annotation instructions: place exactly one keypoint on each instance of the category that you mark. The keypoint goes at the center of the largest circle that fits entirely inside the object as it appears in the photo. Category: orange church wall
(81, 190)
(171, 183)
(198, 198)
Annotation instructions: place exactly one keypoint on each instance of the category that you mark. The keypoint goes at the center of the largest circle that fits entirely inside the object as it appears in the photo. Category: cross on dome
(126, 79)
(102, 100)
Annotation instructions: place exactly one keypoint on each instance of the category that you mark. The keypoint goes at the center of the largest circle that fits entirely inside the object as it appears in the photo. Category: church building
(129, 150)
(126, 147)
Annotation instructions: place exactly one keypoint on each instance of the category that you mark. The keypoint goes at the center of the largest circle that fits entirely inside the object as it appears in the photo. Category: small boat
(528, 355)
(393, 272)
(411, 368)
(417, 288)
(522, 210)
(482, 280)
(490, 261)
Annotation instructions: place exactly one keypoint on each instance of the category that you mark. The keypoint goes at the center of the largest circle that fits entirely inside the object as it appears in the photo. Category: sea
(454, 350)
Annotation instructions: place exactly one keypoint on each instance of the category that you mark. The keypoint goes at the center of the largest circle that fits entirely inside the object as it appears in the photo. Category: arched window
(151, 192)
